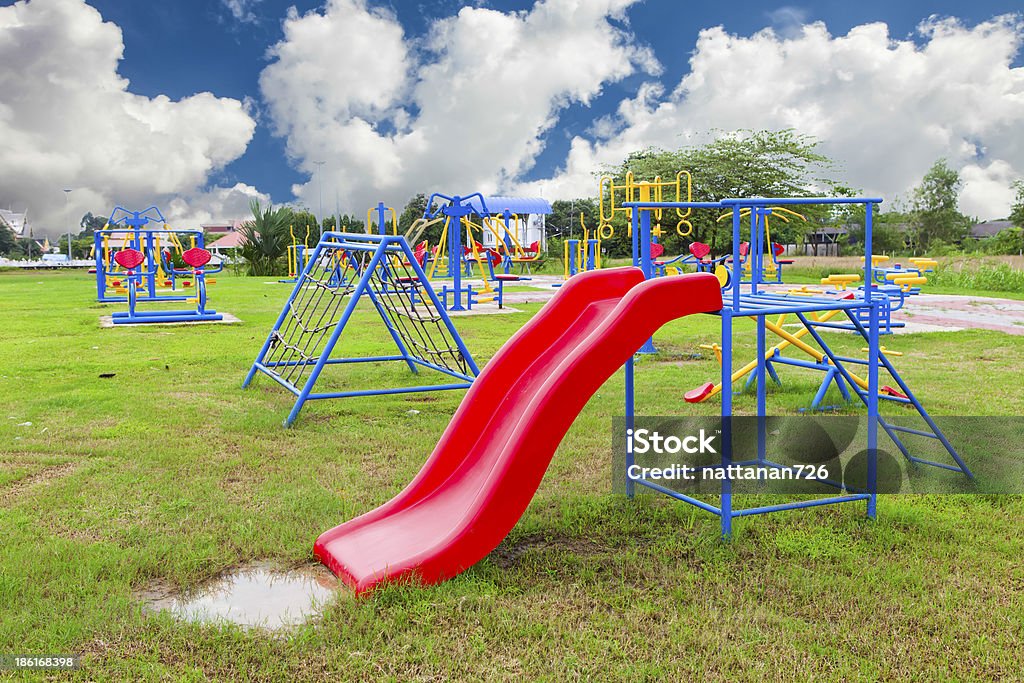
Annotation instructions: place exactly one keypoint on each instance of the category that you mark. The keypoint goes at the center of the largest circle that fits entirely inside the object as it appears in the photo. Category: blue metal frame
(743, 300)
(380, 246)
(141, 238)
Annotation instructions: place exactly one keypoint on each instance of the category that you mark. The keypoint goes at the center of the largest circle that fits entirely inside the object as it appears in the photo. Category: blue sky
(181, 48)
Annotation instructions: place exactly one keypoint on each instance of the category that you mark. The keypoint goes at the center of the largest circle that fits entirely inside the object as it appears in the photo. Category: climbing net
(384, 273)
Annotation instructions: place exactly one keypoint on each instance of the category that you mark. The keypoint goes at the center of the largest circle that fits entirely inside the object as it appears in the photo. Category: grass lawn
(170, 472)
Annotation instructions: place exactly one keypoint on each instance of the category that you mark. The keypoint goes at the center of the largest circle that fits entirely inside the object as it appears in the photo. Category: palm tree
(266, 238)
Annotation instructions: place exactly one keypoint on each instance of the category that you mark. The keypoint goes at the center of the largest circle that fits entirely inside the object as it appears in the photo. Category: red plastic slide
(491, 458)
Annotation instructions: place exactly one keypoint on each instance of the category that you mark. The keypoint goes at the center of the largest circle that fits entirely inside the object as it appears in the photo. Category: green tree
(8, 241)
(266, 238)
(412, 212)
(1017, 210)
(90, 223)
(936, 219)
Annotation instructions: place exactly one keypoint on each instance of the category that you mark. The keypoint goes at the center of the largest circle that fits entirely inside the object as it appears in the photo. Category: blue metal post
(630, 412)
(299, 282)
(726, 502)
(335, 334)
(873, 351)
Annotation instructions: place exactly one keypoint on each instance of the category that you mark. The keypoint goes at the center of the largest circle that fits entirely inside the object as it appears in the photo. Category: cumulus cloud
(216, 204)
(464, 109)
(886, 109)
(69, 120)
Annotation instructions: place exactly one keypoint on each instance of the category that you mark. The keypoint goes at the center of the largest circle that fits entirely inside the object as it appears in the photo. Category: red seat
(657, 249)
(129, 258)
(700, 250)
(196, 257)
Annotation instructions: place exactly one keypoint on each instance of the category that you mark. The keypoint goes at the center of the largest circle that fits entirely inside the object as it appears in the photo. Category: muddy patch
(257, 595)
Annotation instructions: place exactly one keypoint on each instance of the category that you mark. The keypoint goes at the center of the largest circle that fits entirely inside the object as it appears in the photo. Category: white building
(18, 222)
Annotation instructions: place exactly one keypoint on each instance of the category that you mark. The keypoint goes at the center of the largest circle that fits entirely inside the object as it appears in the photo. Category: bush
(986, 277)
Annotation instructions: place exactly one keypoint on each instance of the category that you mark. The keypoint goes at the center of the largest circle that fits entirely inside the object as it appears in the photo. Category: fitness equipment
(772, 267)
(130, 259)
(629, 191)
(126, 229)
(342, 269)
(582, 255)
(296, 255)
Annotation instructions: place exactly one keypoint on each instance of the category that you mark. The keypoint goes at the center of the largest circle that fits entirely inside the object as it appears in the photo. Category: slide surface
(490, 460)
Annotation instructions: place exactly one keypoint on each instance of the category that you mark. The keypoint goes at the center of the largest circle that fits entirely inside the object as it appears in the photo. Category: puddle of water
(254, 595)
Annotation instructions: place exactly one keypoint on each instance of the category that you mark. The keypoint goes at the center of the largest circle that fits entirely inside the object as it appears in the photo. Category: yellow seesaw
(706, 391)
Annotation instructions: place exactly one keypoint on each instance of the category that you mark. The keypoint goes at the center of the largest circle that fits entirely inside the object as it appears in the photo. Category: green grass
(170, 471)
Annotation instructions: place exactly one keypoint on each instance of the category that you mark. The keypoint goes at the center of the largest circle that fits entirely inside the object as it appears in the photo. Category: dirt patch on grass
(43, 477)
(509, 553)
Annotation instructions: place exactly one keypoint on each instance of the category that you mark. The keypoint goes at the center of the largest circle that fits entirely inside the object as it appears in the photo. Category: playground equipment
(126, 229)
(814, 312)
(296, 255)
(581, 255)
(490, 460)
(506, 230)
(770, 268)
(457, 260)
(614, 200)
(130, 259)
(341, 270)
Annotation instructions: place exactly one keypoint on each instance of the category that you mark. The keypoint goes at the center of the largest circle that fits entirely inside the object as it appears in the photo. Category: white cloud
(216, 204)
(464, 110)
(69, 120)
(242, 10)
(886, 109)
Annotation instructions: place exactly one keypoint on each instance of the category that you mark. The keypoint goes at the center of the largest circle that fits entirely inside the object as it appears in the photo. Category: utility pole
(320, 178)
(67, 219)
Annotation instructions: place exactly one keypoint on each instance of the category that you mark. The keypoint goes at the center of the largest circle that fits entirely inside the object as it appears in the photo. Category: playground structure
(584, 254)
(296, 255)
(462, 246)
(126, 229)
(770, 268)
(343, 269)
(514, 229)
(492, 456)
(814, 312)
(132, 259)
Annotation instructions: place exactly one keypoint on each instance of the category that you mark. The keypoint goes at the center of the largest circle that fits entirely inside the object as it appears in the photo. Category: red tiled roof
(229, 241)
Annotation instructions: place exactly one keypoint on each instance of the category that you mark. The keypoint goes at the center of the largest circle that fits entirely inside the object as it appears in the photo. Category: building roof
(989, 229)
(232, 240)
(221, 226)
(519, 205)
(14, 221)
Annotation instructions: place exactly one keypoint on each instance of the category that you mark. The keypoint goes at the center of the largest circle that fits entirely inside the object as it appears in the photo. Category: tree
(936, 218)
(1017, 210)
(412, 212)
(90, 223)
(266, 238)
(744, 164)
(8, 241)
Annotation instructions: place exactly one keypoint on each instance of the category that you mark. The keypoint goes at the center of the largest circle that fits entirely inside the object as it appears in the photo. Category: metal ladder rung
(887, 397)
(908, 430)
